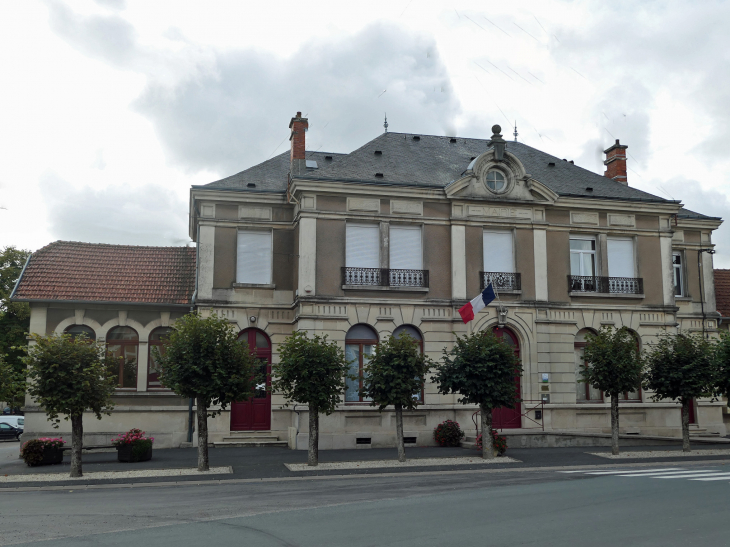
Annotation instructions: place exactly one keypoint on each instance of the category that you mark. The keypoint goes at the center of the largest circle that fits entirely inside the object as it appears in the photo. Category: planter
(51, 456)
(126, 453)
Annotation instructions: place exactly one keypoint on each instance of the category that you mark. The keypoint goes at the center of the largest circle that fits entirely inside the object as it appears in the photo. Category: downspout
(192, 309)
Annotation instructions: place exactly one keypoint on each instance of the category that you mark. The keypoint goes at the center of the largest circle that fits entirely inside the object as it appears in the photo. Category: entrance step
(243, 443)
(248, 438)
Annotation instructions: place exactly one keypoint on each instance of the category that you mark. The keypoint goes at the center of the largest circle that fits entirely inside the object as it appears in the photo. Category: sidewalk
(269, 462)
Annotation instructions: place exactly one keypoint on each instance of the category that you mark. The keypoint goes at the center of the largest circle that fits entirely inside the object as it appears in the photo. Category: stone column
(307, 256)
(458, 262)
(206, 257)
(541, 273)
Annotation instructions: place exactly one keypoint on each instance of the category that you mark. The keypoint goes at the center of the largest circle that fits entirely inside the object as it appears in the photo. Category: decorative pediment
(486, 178)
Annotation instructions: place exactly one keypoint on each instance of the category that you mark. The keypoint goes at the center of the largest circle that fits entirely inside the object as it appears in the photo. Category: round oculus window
(496, 181)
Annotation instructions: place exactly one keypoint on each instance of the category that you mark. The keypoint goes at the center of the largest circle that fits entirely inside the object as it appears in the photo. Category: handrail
(384, 277)
(605, 285)
(502, 281)
(540, 405)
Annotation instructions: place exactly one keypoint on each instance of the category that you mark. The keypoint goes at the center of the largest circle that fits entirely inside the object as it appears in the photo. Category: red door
(508, 418)
(255, 414)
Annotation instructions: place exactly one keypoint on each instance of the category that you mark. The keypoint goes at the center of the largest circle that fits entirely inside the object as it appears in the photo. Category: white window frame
(678, 268)
(392, 226)
(271, 257)
(581, 252)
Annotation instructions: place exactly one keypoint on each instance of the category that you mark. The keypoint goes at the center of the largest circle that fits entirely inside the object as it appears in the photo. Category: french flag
(468, 311)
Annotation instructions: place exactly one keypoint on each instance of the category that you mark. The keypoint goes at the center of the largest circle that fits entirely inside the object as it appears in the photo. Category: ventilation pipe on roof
(616, 163)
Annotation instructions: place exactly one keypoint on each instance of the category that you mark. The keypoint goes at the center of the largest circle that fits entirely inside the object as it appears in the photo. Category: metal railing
(502, 281)
(384, 277)
(607, 285)
(526, 406)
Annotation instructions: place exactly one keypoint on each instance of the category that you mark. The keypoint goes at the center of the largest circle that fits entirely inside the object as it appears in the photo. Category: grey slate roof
(432, 161)
(686, 213)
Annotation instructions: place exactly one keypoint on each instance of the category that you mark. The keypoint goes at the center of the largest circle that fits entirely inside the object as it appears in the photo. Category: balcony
(502, 281)
(384, 277)
(605, 285)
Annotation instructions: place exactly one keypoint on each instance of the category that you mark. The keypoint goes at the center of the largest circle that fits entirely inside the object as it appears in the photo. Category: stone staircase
(248, 438)
(697, 431)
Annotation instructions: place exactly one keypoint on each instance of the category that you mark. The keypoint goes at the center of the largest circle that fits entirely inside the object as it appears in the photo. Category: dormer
(496, 174)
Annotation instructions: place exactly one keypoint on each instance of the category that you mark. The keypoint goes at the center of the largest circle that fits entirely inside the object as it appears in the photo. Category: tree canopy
(14, 316)
(613, 361)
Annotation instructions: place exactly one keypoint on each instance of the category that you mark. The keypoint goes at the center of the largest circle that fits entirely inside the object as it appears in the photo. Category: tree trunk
(685, 424)
(614, 424)
(399, 433)
(77, 443)
(203, 464)
(313, 455)
(487, 444)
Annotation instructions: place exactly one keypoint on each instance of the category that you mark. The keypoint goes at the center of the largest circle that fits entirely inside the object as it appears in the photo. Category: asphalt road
(544, 507)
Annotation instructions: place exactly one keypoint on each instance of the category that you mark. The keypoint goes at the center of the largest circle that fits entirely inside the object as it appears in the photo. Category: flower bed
(43, 451)
(133, 446)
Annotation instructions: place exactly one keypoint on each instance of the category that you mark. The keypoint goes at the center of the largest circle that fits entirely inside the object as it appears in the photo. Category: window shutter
(498, 254)
(363, 246)
(253, 263)
(405, 248)
(621, 258)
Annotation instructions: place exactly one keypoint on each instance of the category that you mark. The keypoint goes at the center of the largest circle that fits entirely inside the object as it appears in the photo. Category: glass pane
(122, 333)
(77, 330)
(582, 245)
(367, 352)
(575, 264)
(580, 387)
(261, 381)
(587, 259)
(634, 395)
(261, 341)
(594, 393)
(361, 332)
(409, 330)
(160, 334)
(153, 374)
(352, 389)
(129, 374)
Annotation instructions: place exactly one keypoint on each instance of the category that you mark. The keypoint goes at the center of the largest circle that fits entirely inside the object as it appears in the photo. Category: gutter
(105, 302)
(17, 283)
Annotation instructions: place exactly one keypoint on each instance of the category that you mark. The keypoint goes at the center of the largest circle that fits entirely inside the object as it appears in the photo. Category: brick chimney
(616, 163)
(298, 126)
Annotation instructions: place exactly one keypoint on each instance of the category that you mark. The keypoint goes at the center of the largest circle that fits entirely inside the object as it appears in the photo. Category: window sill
(505, 291)
(605, 295)
(379, 288)
(254, 286)
(683, 299)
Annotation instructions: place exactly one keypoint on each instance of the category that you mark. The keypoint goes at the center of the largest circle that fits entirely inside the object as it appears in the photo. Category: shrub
(499, 443)
(32, 451)
(135, 437)
(448, 433)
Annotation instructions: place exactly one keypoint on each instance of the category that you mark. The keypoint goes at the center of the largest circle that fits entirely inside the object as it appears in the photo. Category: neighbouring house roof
(430, 161)
(722, 292)
(686, 213)
(92, 272)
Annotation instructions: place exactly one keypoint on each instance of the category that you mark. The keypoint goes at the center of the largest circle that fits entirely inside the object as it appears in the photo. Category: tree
(14, 316)
(12, 385)
(394, 375)
(721, 359)
(311, 371)
(69, 376)
(682, 367)
(481, 368)
(614, 365)
(204, 360)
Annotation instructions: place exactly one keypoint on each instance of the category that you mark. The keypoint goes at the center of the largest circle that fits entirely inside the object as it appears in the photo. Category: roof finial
(515, 133)
(386, 122)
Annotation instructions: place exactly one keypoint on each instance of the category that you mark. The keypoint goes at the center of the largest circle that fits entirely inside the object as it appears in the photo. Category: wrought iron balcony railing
(502, 281)
(384, 277)
(605, 285)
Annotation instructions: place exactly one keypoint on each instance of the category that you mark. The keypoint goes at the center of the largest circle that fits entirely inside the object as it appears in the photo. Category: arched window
(413, 332)
(123, 344)
(158, 339)
(77, 330)
(584, 392)
(359, 344)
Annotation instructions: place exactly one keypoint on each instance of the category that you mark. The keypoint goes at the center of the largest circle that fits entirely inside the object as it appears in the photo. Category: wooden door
(508, 418)
(255, 414)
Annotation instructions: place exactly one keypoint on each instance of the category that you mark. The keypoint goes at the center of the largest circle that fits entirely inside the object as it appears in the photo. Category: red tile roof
(69, 270)
(722, 292)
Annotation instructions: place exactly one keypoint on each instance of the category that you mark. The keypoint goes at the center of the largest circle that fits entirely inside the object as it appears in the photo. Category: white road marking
(725, 475)
(669, 474)
(633, 472)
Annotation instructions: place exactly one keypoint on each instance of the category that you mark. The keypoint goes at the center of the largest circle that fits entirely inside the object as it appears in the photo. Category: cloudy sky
(111, 109)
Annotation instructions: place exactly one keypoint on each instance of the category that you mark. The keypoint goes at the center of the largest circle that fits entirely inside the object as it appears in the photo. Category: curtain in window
(498, 252)
(253, 263)
(405, 248)
(621, 258)
(363, 246)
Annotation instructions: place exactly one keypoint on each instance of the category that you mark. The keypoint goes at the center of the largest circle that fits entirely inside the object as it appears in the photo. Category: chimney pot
(616, 163)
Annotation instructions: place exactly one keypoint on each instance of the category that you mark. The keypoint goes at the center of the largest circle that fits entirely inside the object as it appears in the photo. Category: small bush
(498, 441)
(135, 437)
(448, 433)
(32, 450)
